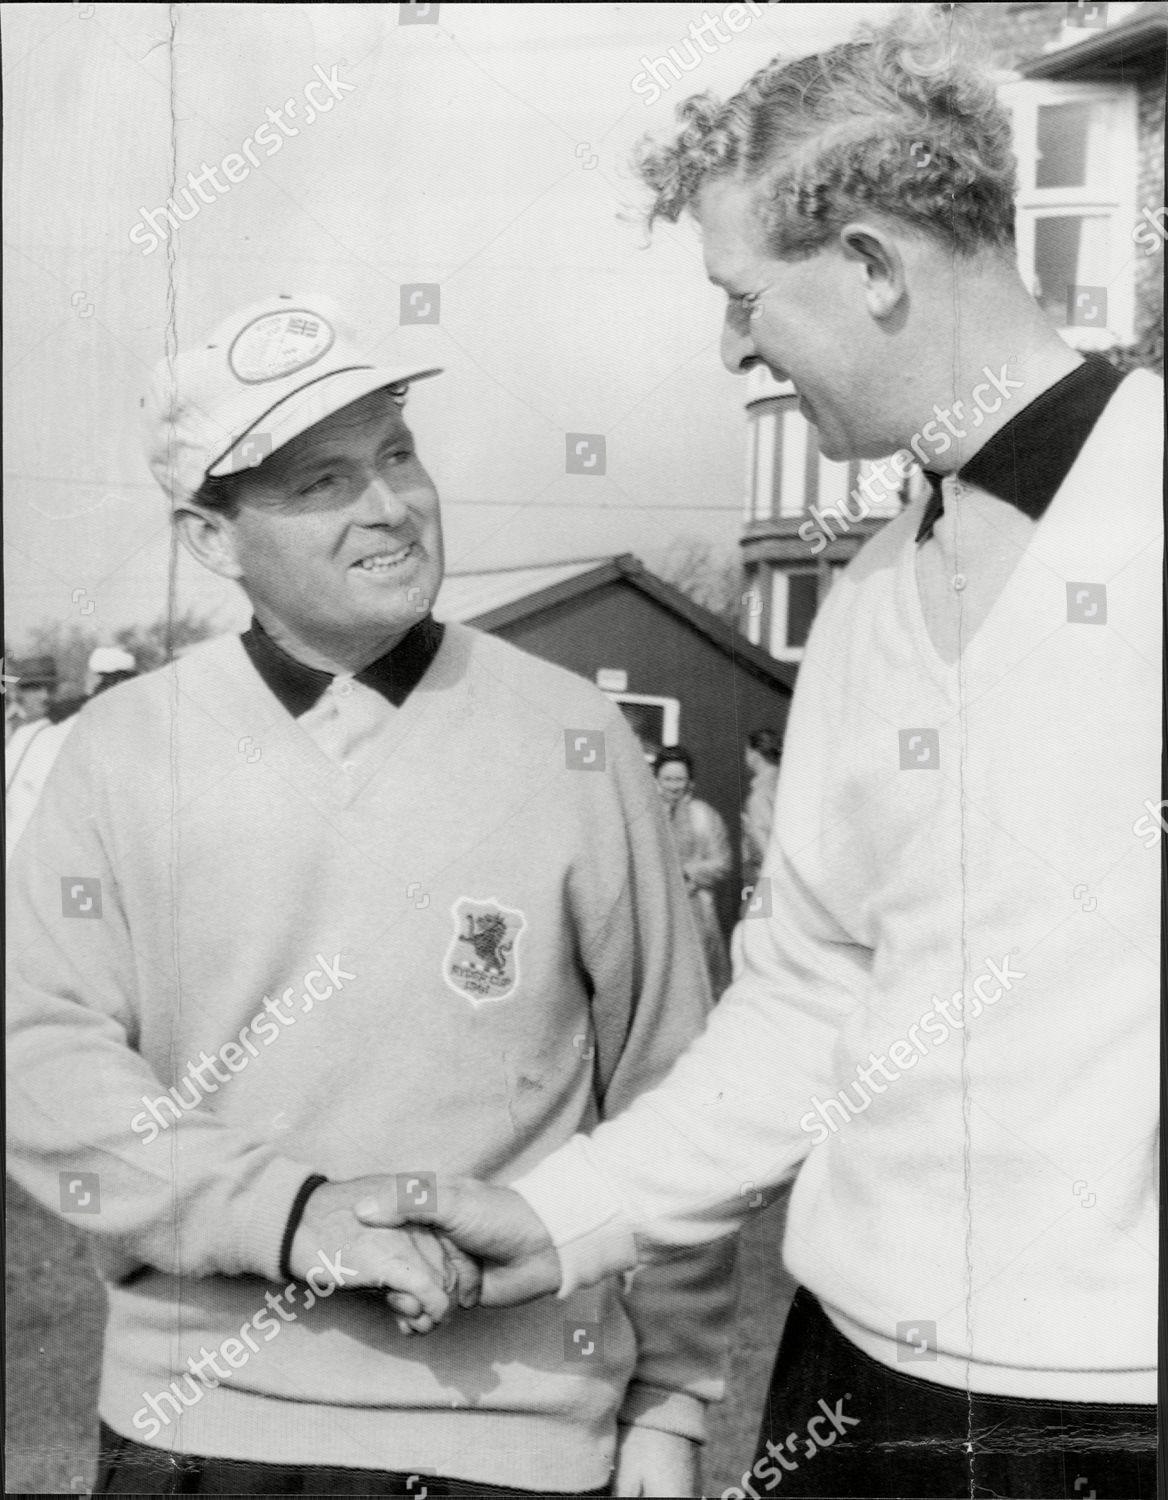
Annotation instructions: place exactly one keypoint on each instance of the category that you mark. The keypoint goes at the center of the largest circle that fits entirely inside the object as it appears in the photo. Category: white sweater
(986, 1209)
(202, 894)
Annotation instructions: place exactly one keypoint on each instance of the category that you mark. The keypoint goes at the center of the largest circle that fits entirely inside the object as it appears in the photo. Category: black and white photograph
(584, 795)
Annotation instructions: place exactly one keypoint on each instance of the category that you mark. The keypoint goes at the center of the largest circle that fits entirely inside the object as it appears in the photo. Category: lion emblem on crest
(482, 961)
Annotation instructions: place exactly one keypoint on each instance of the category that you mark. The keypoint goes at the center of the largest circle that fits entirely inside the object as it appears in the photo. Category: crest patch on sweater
(482, 962)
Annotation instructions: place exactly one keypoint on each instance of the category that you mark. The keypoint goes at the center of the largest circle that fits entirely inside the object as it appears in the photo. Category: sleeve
(684, 1163)
(713, 864)
(202, 1200)
(651, 998)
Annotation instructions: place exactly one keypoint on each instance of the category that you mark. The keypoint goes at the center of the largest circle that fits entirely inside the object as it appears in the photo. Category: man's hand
(494, 1224)
(649, 1462)
(426, 1273)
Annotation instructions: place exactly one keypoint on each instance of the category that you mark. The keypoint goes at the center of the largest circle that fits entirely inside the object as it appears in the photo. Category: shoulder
(151, 698)
(530, 683)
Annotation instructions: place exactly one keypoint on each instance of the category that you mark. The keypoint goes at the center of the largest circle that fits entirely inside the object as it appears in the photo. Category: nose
(380, 504)
(738, 351)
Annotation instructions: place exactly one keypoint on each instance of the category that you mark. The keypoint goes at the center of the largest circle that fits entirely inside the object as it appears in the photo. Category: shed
(681, 674)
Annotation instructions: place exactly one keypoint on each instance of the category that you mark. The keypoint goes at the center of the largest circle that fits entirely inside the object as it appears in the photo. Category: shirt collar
(298, 687)
(1026, 461)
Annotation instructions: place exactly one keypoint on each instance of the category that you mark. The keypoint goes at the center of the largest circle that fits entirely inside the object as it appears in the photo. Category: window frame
(1114, 199)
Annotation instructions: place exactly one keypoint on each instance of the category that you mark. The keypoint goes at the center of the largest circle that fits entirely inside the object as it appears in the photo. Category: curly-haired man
(944, 1026)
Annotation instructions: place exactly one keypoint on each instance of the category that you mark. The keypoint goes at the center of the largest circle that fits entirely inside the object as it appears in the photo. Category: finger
(404, 1305)
(536, 1276)
(467, 1271)
(405, 1272)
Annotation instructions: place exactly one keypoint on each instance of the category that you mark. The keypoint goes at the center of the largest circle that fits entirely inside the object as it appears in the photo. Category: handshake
(468, 1244)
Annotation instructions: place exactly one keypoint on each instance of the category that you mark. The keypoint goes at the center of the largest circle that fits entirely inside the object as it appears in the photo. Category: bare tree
(710, 575)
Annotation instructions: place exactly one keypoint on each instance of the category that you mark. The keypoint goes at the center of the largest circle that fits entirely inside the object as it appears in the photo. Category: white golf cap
(266, 374)
(111, 659)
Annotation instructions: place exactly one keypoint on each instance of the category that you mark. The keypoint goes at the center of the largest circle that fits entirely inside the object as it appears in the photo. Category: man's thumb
(535, 1276)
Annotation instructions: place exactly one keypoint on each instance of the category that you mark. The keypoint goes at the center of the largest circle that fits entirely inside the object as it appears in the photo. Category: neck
(998, 353)
(338, 657)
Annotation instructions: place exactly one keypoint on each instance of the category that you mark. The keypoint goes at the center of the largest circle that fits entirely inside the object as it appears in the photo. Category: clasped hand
(473, 1244)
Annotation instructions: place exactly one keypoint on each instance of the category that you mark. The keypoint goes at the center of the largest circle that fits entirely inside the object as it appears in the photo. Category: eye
(322, 485)
(746, 306)
(394, 457)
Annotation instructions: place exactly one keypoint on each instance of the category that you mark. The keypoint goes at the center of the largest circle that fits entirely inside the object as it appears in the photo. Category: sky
(480, 149)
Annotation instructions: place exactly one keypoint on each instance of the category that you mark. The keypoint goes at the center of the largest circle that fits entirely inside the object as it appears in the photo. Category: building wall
(1150, 195)
(617, 626)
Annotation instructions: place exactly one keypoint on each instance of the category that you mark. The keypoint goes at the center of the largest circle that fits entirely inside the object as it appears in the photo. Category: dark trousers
(130, 1468)
(839, 1423)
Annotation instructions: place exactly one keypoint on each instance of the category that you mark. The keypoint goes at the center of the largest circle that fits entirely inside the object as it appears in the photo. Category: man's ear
(879, 260)
(209, 537)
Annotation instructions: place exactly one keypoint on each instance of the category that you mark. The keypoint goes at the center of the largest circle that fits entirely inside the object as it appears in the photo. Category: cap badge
(278, 344)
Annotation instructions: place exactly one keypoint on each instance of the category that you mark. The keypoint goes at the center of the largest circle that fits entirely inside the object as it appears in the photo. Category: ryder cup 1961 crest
(482, 962)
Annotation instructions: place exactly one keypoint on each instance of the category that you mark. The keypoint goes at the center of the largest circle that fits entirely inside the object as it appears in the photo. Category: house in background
(1085, 88)
(679, 673)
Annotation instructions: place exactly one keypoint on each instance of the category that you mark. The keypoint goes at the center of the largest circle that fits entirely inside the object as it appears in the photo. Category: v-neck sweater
(946, 1015)
(197, 854)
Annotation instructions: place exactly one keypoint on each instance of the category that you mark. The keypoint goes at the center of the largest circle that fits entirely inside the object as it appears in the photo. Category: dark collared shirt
(298, 687)
(1026, 461)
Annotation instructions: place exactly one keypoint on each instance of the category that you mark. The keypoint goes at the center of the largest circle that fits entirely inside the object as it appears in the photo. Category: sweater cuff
(668, 1411)
(583, 1215)
(263, 1219)
(299, 1203)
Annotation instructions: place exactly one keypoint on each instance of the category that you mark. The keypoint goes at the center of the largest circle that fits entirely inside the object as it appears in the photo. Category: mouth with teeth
(380, 563)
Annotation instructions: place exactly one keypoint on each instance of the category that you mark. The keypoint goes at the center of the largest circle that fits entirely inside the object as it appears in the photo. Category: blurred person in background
(764, 747)
(33, 759)
(703, 847)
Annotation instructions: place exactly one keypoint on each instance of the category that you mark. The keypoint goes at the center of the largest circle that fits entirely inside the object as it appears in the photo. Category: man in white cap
(429, 875)
(107, 666)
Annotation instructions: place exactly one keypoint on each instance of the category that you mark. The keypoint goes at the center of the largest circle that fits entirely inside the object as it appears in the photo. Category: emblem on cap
(482, 961)
(278, 344)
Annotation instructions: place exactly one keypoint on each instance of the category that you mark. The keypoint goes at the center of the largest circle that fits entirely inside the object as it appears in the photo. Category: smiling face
(337, 538)
(673, 781)
(809, 321)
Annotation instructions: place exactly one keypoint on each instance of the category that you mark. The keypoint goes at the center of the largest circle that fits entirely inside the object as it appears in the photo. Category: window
(764, 464)
(1077, 166)
(752, 605)
(655, 721)
(794, 600)
(797, 435)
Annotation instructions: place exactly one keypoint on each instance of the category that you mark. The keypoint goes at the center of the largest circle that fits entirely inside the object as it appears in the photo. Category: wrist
(295, 1219)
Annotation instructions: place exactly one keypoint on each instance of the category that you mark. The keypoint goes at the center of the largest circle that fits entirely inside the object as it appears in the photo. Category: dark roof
(1132, 46)
(630, 571)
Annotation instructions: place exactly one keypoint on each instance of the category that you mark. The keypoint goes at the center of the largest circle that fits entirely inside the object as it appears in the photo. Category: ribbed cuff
(582, 1214)
(307, 1188)
(260, 1220)
(668, 1411)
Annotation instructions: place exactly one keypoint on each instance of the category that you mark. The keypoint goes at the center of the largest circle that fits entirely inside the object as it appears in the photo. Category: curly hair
(899, 121)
